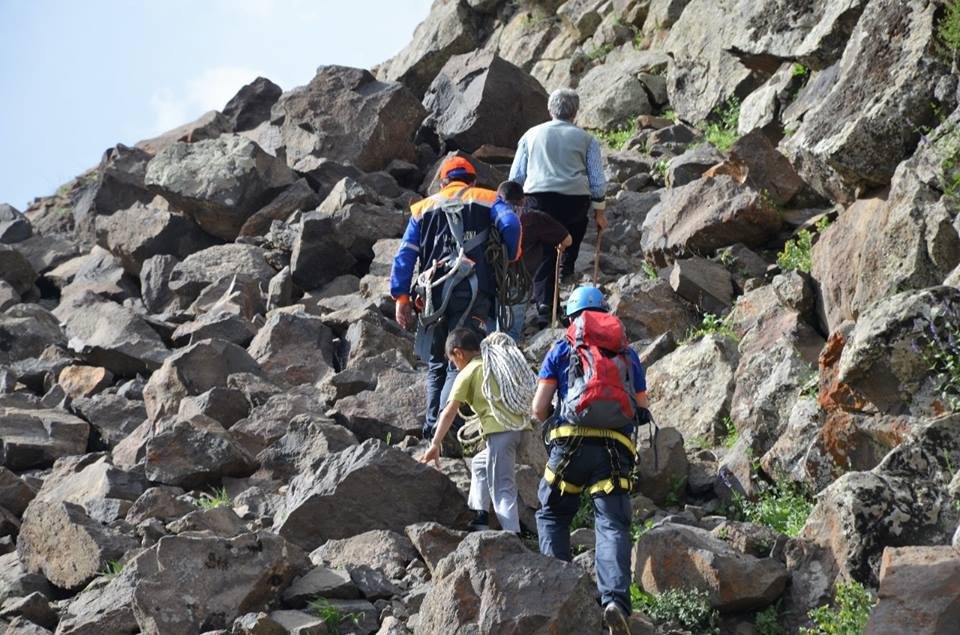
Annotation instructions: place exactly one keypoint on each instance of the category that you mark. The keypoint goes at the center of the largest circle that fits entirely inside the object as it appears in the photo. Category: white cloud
(210, 90)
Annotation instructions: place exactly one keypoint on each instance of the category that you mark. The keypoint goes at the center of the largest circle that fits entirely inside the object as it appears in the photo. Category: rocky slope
(208, 417)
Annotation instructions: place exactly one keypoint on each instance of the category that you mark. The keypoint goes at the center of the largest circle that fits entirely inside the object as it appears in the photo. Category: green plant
(532, 19)
(686, 609)
(949, 28)
(711, 324)
(332, 616)
(216, 498)
(721, 130)
(675, 495)
(638, 529)
(810, 384)
(767, 621)
(796, 252)
(939, 347)
(784, 507)
(728, 433)
(640, 41)
(600, 52)
(662, 166)
(584, 516)
(670, 114)
(649, 271)
(112, 569)
(848, 616)
(617, 138)
(799, 70)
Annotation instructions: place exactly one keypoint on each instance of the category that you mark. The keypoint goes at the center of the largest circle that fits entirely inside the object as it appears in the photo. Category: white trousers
(493, 478)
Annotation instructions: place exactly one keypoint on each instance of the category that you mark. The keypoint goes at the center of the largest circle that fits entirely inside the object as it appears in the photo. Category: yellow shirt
(468, 389)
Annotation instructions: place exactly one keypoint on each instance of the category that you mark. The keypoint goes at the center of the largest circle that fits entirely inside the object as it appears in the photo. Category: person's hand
(601, 217)
(404, 314)
(432, 454)
(566, 242)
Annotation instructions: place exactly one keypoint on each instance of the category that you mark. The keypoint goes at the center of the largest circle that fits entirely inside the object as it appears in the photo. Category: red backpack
(600, 376)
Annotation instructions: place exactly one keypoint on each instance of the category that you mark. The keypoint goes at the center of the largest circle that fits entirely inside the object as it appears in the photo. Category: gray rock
(210, 125)
(293, 347)
(14, 226)
(299, 196)
(193, 371)
(193, 452)
(665, 476)
(36, 438)
(161, 503)
(393, 406)
(89, 482)
(434, 541)
(251, 105)
(107, 334)
(219, 182)
(864, 124)
(67, 546)
(385, 551)
(34, 607)
(245, 574)
(323, 582)
(113, 417)
(704, 283)
(704, 216)
(318, 257)
(479, 98)
(649, 308)
(220, 521)
(615, 92)
(155, 276)
(99, 273)
(504, 583)
(733, 580)
(25, 331)
(47, 251)
(220, 325)
(319, 119)
(16, 270)
(303, 448)
(448, 30)
(104, 606)
(15, 494)
(691, 165)
(706, 367)
(8, 296)
(226, 406)
(16, 581)
(367, 485)
(141, 232)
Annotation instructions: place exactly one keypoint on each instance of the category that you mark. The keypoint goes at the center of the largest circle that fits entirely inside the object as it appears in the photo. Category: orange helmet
(456, 166)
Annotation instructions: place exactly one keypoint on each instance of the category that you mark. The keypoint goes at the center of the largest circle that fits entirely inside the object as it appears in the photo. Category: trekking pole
(596, 259)
(556, 288)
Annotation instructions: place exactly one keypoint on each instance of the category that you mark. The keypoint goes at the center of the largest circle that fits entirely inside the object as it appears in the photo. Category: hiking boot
(480, 522)
(616, 619)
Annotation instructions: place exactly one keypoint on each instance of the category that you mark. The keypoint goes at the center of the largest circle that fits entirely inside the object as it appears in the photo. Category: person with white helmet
(600, 391)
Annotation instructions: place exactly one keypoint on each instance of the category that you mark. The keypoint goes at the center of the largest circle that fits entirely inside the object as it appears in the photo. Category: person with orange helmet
(447, 234)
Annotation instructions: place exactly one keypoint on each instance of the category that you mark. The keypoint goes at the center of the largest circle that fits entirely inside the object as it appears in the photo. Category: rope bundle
(513, 280)
(504, 362)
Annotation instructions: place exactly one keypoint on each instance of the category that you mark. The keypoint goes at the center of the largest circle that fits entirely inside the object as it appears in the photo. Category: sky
(80, 76)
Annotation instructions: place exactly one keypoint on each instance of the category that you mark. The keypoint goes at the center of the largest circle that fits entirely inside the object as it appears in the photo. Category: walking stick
(596, 259)
(556, 288)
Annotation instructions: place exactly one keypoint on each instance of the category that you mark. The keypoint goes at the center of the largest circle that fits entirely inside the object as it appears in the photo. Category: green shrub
(721, 131)
(600, 52)
(950, 26)
(711, 324)
(848, 616)
(796, 253)
(112, 569)
(662, 166)
(939, 346)
(685, 609)
(728, 433)
(217, 498)
(784, 507)
(799, 70)
(332, 616)
(638, 529)
(616, 139)
(767, 621)
(584, 515)
(649, 271)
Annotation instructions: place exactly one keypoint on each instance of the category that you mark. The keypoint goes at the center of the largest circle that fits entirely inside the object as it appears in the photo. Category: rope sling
(505, 365)
(513, 280)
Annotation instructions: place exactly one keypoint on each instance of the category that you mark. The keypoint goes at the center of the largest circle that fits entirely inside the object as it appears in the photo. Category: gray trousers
(493, 478)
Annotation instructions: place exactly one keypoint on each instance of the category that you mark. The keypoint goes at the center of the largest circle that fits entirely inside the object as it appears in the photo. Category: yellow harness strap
(605, 486)
(580, 431)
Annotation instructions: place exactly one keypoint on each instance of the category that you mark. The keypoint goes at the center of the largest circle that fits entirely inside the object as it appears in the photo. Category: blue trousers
(587, 465)
(440, 372)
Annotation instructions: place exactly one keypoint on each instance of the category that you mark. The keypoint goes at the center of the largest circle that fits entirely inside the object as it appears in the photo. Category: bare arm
(542, 400)
(443, 426)
(642, 400)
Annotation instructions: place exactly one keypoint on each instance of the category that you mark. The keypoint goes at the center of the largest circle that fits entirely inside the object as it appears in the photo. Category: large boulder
(104, 491)
(14, 226)
(448, 30)
(16, 270)
(104, 606)
(649, 308)
(67, 546)
(189, 277)
(318, 256)
(25, 331)
(624, 86)
(362, 488)
(385, 551)
(705, 367)
(493, 584)
(672, 556)
(193, 452)
(107, 334)
(879, 361)
(219, 182)
(705, 215)
(207, 126)
(140, 232)
(251, 105)
(299, 196)
(392, 403)
(347, 115)
(15, 494)
(303, 448)
(193, 371)
(274, 415)
(918, 591)
(225, 578)
(293, 347)
(865, 123)
(479, 98)
(36, 438)
(113, 417)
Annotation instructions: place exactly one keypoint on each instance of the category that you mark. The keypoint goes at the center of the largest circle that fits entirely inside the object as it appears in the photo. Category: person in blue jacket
(455, 285)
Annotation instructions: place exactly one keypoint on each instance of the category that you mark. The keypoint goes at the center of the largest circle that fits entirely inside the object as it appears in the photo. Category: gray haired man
(560, 168)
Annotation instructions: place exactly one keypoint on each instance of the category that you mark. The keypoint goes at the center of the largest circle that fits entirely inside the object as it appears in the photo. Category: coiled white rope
(503, 362)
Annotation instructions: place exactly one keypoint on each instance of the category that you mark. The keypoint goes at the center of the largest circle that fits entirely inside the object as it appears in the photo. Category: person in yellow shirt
(502, 419)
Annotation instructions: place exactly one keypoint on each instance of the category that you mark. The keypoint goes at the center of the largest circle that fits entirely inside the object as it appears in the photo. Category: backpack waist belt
(606, 486)
(564, 431)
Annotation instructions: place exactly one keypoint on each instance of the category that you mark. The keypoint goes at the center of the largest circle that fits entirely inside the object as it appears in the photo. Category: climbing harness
(503, 363)
(513, 280)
